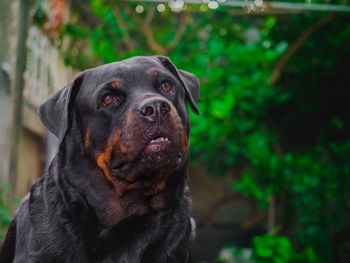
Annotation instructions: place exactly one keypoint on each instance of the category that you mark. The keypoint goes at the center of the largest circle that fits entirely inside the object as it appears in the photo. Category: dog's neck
(146, 237)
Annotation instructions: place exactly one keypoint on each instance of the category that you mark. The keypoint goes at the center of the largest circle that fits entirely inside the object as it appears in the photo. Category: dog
(117, 189)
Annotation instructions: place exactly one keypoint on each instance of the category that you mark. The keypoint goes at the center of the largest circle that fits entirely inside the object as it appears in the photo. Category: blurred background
(270, 167)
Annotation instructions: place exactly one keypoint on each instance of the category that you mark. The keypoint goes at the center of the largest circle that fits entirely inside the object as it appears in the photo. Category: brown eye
(168, 87)
(107, 99)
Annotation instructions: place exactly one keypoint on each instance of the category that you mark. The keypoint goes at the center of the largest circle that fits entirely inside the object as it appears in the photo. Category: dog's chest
(132, 253)
(132, 244)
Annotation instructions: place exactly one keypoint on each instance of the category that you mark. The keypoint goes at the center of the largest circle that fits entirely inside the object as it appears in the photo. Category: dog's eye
(107, 99)
(167, 87)
(112, 99)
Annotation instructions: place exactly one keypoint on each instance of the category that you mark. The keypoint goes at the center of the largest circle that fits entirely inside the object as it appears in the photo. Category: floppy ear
(55, 112)
(188, 80)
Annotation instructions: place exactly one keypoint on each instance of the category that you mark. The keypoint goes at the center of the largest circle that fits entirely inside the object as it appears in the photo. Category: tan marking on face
(152, 72)
(104, 158)
(116, 137)
(184, 141)
(120, 147)
(123, 148)
(115, 83)
(102, 163)
(175, 117)
(188, 119)
(87, 137)
(161, 183)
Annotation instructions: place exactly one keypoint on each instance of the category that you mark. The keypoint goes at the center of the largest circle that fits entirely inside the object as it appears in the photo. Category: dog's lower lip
(132, 186)
(158, 146)
(120, 166)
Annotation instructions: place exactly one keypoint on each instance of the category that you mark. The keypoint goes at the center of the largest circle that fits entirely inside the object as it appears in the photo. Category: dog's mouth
(158, 144)
(154, 151)
(159, 139)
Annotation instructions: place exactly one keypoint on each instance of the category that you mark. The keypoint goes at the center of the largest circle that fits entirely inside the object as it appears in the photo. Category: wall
(9, 10)
(45, 74)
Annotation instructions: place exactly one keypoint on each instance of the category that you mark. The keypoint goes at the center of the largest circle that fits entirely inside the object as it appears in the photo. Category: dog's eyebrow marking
(152, 72)
(115, 83)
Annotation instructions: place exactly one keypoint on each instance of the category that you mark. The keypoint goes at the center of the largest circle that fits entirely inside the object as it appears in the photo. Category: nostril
(164, 108)
(147, 111)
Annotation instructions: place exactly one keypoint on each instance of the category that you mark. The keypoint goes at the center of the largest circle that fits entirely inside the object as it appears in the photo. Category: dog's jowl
(117, 189)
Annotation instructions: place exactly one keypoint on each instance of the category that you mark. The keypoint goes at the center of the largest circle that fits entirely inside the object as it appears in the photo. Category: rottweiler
(117, 189)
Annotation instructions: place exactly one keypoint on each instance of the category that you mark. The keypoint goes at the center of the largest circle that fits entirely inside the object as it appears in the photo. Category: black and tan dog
(117, 189)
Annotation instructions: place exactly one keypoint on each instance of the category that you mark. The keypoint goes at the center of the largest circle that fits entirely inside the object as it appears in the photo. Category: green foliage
(249, 187)
(273, 249)
(267, 248)
(278, 249)
(234, 93)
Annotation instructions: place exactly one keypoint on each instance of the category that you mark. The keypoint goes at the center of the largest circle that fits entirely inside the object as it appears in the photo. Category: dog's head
(133, 125)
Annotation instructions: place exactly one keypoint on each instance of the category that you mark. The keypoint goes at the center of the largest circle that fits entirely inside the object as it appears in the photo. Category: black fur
(77, 211)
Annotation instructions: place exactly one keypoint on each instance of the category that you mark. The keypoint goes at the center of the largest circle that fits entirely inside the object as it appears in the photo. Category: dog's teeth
(161, 139)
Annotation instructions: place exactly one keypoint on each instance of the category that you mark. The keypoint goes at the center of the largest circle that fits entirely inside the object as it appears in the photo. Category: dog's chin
(155, 159)
(162, 153)
(151, 164)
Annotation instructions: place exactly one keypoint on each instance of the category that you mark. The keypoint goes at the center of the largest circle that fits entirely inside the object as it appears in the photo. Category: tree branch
(255, 220)
(296, 46)
(271, 214)
(145, 27)
(180, 31)
(123, 25)
(149, 16)
(146, 30)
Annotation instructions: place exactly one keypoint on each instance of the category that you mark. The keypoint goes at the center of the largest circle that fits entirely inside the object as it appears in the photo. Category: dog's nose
(153, 108)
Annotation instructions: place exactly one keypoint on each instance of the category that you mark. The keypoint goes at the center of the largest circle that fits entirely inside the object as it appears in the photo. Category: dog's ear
(188, 80)
(55, 112)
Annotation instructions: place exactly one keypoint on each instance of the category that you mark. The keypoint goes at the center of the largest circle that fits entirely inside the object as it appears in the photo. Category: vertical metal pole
(17, 91)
